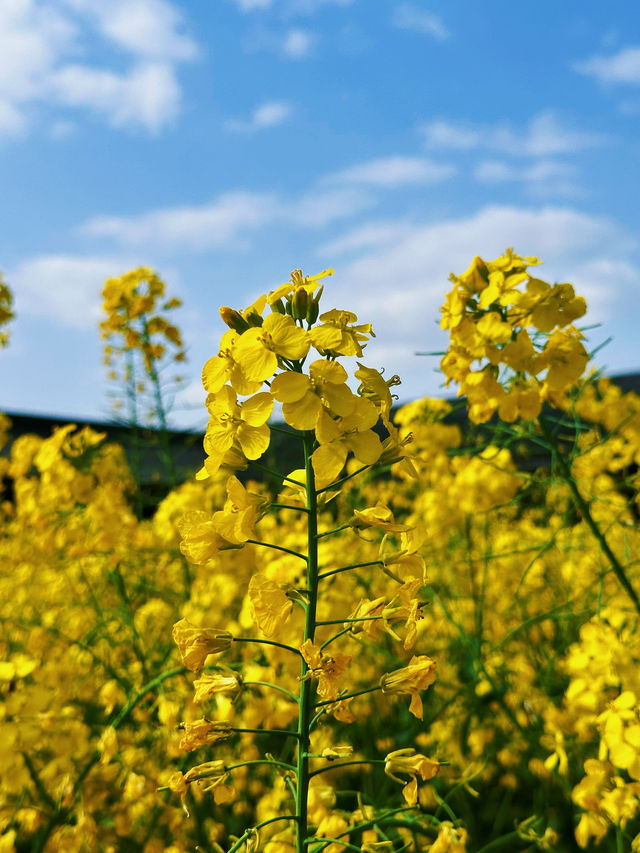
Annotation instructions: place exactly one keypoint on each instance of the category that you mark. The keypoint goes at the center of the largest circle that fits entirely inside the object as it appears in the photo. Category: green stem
(266, 643)
(276, 474)
(247, 833)
(134, 426)
(272, 686)
(115, 576)
(165, 444)
(283, 732)
(348, 568)
(348, 696)
(585, 509)
(325, 842)
(289, 506)
(334, 530)
(335, 637)
(343, 479)
(350, 621)
(276, 548)
(305, 701)
(272, 761)
(509, 839)
(37, 781)
(330, 767)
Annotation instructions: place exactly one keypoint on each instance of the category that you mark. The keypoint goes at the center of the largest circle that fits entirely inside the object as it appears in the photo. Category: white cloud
(317, 209)
(62, 129)
(395, 172)
(601, 278)
(543, 136)
(151, 29)
(407, 17)
(147, 96)
(12, 121)
(228, 220)
(251, 5)
(546, 177)
(32, 40)
(371, 235)
(224, 222)
(292, 7)
(41, 44)
(297, 43)
(630, 108)
(308, 7)
(621, 67)
(64, 288)
(268, 114)
(444, 134)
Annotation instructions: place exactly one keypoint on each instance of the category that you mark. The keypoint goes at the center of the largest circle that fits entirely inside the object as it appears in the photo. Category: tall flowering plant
(283, 349)
(140, 342)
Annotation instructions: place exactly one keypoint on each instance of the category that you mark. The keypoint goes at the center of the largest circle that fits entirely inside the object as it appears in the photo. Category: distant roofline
(629, 381)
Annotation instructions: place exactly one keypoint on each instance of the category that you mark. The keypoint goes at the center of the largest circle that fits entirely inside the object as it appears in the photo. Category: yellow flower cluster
(518, 330)
(294, 606)
(6, 314)
(136, 321)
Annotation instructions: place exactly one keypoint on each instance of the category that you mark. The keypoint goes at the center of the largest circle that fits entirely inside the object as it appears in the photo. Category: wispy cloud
(252, 5)
(65, 288)
(290, 7)
(545, 177)
(297, 43)
(151, 29)
(408, 17)
(395, 172)
(369, 236)
(228, 221)
(268, 114)
(620, 67)
(40, 45)
(147, 96)
(308, 7)
(318, 208)
(224, 222)
(544, 135)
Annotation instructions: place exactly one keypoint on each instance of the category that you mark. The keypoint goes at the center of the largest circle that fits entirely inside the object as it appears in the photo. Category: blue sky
(225, 143)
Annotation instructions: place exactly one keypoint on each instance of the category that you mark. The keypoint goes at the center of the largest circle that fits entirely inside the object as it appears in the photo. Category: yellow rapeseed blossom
(419, 674)
(196, 644)
(511, 348)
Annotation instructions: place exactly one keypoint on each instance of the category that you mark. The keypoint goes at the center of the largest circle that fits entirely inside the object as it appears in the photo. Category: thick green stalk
(134, 426)
(585, 510)
(165, 443)
(306, 688)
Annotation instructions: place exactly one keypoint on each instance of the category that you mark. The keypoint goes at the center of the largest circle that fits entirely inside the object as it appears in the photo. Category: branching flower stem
(334, 766)
(247, 834)
(585, 510)
(266, 643)
(348, 568)
(276, 548)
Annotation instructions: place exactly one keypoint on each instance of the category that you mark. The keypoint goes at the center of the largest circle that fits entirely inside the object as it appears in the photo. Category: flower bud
(254, 319)
(313, 309)
(312, 312)
(233, 319)
(299, 304)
